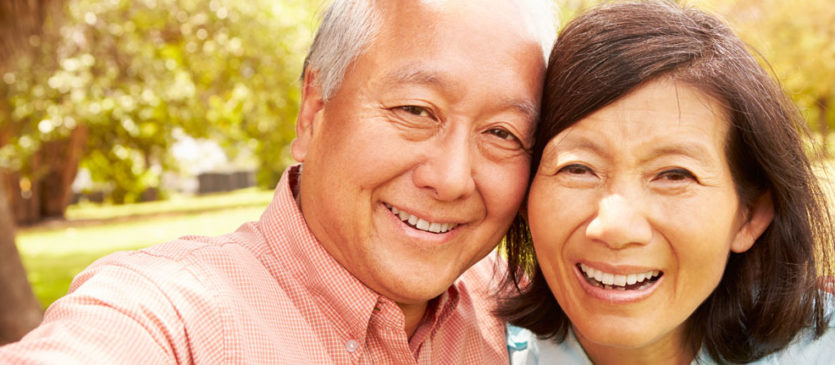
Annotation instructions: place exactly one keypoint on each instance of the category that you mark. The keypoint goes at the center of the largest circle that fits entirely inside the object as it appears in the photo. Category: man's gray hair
(349, 26)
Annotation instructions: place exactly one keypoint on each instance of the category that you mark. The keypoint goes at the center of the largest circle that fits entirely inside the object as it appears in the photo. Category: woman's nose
(619, 223)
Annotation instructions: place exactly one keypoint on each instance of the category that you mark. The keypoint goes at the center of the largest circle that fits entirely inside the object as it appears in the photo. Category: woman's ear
(310, 107)
(759, 217)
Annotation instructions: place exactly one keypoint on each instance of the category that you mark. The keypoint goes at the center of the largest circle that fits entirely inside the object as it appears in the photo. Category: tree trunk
(60, 159)
(20, 311)
(47, 191)
(18, 20)
(22, 197)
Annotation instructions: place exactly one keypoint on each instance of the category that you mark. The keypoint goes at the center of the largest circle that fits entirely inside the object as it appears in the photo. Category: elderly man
(413, 133)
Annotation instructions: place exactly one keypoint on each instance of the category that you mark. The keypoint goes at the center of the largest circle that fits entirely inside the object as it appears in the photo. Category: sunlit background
(125, 123)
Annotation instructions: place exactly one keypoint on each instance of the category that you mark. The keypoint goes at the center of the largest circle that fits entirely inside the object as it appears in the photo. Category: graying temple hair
(348, 26)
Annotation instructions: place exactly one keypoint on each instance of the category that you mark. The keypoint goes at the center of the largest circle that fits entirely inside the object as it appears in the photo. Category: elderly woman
(674, 215)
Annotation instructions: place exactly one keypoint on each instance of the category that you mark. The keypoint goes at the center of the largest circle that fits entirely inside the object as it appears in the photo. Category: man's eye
(503, 134)
(416, 110)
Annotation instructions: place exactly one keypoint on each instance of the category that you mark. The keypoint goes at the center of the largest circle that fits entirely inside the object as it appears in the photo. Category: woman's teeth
(420, 224)
(619, 282)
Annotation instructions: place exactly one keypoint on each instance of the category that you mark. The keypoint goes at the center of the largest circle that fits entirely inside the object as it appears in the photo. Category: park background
(124, 122)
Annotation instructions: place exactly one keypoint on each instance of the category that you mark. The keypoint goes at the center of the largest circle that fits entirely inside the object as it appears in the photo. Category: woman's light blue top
(525, 348)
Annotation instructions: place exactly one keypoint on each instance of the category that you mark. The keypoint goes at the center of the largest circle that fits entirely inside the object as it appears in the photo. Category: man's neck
(413, 314)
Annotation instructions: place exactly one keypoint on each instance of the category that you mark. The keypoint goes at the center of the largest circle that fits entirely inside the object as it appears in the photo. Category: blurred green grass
(175, 204)
(53, 253)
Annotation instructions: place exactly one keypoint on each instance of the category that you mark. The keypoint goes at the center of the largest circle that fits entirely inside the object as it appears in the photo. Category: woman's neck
(672, 349)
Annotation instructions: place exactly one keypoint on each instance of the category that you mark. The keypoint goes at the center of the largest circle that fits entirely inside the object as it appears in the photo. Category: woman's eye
(677, 175)
(576, 169)
(577, 176)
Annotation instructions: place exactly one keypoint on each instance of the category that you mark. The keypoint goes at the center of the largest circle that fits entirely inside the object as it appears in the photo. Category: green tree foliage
(797, 38)
(131, 72)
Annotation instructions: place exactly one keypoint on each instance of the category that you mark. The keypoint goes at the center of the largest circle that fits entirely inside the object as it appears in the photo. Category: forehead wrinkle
(578, 141)
(416, 75)
(695, 151)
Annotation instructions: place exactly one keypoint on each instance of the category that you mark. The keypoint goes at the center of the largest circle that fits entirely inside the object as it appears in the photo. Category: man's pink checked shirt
(265, 294)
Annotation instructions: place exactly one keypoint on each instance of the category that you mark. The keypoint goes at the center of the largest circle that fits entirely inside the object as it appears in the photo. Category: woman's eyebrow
(693, 150)
(579, 141)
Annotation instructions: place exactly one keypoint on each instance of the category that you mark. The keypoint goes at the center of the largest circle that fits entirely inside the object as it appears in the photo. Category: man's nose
(620, 223)
(448, 169)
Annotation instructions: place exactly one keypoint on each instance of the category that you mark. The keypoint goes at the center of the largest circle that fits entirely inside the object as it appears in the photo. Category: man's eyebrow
(421, 76)
(525, 107)
(414, 74)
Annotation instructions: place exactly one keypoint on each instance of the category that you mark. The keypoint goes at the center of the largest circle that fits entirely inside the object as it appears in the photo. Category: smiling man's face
(417, 164)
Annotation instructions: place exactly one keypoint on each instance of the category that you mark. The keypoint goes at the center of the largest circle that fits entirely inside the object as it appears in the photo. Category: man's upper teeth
(615, 279)
(422, 224)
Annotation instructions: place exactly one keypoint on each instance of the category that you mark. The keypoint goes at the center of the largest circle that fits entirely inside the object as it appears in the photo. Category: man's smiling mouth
(419, 223)
(634, 281)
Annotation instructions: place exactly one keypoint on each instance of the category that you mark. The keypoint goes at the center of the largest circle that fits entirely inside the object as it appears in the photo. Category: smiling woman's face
(634, 212)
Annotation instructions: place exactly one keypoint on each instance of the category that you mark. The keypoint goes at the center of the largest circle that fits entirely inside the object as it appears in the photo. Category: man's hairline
(370, 38)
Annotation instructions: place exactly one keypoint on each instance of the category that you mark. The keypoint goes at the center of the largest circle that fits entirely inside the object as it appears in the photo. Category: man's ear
(760, 215)
(312, 104)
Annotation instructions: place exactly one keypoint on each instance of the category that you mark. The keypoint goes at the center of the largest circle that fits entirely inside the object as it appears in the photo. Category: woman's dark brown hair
(767, 294)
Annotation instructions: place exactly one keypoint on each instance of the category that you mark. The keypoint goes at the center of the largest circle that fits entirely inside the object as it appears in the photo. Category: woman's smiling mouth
(633, 281)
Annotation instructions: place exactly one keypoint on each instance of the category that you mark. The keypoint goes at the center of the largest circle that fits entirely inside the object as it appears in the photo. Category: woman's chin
(635, 340)
(619, 338)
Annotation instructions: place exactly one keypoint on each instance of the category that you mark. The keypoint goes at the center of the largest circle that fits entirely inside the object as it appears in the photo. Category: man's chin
(415, 289)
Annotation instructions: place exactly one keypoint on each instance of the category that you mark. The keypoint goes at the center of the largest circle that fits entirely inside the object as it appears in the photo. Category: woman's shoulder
(525, 348)
(805, 348)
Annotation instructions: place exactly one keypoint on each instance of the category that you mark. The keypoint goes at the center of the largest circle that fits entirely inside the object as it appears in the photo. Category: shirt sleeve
(114, 314)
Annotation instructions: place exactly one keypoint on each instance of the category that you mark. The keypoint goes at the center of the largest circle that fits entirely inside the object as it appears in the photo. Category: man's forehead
(414, 23)
(528, 19)
(505, 9)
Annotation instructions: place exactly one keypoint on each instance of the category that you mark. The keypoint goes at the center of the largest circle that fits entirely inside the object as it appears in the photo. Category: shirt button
(352, 345)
